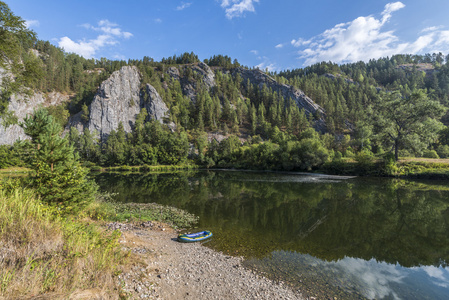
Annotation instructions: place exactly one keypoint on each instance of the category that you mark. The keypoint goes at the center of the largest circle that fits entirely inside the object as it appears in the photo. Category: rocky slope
(258, 78)
(192, 77)
(120, 99)
(117, 100)
(23, 105)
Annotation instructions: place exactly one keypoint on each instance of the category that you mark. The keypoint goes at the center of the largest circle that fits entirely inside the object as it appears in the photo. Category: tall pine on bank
(58, 176)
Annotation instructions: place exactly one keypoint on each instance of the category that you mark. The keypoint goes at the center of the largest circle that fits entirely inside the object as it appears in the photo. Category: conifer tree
(58, 176)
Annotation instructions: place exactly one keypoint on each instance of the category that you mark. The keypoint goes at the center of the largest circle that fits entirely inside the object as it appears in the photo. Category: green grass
(405, 168)
(43, 253)
(107, 210)
(175, 217)
(144, 168)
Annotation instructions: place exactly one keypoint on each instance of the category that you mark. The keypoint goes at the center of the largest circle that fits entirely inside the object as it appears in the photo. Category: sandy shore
(166, 269)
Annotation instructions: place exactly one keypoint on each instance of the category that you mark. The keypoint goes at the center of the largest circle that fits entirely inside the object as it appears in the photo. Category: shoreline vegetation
(93, 255)
(405, 167)
(66, 255)
(44, 252)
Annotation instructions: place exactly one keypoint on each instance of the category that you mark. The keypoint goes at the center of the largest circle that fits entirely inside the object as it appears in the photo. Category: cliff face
(155, 106)
(120, 99)
(23, 105)
(191, 77)
(117, 100)
(259, 79)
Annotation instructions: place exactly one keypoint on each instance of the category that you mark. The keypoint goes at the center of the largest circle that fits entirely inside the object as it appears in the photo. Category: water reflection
(355, 278)
(364, 237)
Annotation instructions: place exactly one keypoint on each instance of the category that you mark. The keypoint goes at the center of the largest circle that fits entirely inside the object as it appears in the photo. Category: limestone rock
(207, 76)
(117, 100)
(22, 105)
(259, 78)
(173, 72)
(155, 106)
(190, 84)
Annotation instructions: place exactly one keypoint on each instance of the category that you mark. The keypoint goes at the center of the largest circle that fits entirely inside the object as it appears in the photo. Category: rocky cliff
(23, 105)
(117, 100)
(191, 77)
(120, 99)
(155, 106)
(259, 79)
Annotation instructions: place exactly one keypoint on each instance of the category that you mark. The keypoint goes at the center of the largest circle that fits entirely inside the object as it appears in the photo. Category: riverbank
(166, 269)
(405, 168)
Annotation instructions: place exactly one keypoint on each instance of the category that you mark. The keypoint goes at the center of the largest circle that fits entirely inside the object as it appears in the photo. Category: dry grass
(43, 255)
(422, 159)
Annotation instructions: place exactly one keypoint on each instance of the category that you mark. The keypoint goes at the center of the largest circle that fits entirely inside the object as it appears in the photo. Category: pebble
(192, 270)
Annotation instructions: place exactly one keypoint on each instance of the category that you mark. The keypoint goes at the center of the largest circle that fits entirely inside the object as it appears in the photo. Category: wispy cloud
(279, 46)
(432, 28)
(32, 23)
(266, 64)
(110, 33)
(365, 38)
(237, 8)
(158, 20)
(184, 5)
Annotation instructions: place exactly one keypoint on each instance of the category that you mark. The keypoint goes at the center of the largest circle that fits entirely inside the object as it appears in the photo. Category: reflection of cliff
(382, 219)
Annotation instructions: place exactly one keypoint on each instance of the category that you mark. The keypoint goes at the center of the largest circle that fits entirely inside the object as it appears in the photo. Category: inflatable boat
(194, 237)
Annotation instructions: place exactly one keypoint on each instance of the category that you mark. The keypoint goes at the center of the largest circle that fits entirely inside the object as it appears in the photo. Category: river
(329, 236)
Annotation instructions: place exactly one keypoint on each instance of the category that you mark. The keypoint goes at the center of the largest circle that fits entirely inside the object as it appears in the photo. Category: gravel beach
(167, 269)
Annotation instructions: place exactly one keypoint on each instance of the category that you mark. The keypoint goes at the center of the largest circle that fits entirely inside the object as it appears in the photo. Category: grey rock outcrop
(120, 99)
(23, 105)
(200, 73)
(117, 100)
(173, 72)
(155, 106)
(259, 78)
(207, 76)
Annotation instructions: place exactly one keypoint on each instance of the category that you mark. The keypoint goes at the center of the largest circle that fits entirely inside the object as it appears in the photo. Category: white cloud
(158, 20)
(109, 35)
(376, 279)
(266, 64)
(236, 8)
(365, 38)
(85, 49)
(32, 23)
(119, 57)
(389, 9)
(279, 46)
(432, 28)
(255, 52)
(183, 5)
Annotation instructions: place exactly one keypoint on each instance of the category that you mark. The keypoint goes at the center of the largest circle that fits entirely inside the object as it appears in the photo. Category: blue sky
(277, 35)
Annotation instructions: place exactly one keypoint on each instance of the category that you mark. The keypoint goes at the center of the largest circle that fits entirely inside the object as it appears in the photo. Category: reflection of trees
(255, 214)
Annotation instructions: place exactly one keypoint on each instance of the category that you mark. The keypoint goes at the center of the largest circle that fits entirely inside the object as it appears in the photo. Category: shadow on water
(329, 236)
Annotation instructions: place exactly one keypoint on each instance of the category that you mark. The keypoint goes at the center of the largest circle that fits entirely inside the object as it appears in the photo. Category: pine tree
(58, 176)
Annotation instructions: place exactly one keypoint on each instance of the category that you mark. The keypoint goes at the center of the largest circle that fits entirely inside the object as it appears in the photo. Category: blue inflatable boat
(194, 237)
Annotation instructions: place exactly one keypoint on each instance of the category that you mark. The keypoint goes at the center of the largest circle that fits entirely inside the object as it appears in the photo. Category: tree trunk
(396, 149)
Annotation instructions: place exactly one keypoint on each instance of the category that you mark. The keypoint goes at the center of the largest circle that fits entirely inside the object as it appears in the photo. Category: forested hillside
(235, 119)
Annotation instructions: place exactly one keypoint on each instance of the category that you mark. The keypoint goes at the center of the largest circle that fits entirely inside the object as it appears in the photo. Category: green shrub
(430, 154)
(51, 254)
(443, 151)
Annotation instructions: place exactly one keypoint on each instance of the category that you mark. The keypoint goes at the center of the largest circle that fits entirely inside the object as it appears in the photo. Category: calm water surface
(349, 238)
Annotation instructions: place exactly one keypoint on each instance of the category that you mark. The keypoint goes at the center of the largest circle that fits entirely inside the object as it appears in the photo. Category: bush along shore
(43, 252)
(405, 168)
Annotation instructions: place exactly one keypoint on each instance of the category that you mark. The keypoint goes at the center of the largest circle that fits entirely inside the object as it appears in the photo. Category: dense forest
(388, 107)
